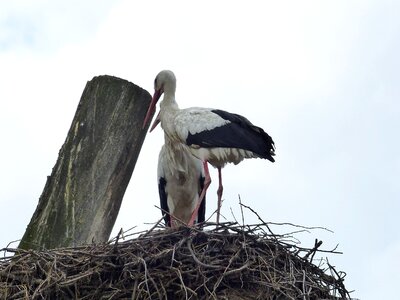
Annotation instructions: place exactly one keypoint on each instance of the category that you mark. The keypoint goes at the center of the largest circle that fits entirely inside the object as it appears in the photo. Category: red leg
(219, 193)
(207, 182)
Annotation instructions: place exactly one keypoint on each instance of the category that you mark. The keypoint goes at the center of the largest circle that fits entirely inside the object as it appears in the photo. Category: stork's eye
(155, 83)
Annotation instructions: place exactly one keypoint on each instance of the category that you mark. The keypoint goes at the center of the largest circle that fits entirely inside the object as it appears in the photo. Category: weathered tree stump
(82, 197)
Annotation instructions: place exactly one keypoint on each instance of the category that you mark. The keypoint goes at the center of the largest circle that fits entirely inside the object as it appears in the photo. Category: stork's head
(165, 83)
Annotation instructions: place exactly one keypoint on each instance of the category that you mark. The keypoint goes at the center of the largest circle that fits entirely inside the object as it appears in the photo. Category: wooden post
(82, 197)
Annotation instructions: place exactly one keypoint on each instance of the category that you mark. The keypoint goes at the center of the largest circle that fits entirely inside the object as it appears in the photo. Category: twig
(152, 228)
(258, 216)
(241, 210)
(197, 260)
(313, 250)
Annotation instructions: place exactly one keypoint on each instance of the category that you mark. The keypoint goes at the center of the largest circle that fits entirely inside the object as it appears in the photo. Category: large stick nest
(225, 261)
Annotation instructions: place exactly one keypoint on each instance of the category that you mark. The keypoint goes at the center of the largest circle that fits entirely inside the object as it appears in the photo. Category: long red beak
(156, 122)
(152, 108)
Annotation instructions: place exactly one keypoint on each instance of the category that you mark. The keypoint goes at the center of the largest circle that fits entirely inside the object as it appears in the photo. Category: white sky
(321, 77)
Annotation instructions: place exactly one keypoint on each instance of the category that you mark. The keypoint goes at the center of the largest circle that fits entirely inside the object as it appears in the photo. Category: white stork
(180, 182)
(212, 135)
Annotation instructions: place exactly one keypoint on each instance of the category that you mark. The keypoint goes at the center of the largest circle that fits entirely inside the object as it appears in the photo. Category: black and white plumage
(212, 135)
(180, 183)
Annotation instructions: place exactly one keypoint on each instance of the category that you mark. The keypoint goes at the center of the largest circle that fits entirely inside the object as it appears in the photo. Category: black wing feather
(239, 133)
(163, 201)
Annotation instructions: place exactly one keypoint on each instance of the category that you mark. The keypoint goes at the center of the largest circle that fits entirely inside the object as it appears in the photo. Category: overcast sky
(321, 77)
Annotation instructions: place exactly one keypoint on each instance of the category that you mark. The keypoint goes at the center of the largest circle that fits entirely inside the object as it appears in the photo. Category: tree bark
(82, 197)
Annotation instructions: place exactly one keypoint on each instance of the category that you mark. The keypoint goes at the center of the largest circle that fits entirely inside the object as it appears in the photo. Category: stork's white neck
(168, 103)
(168, 110)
